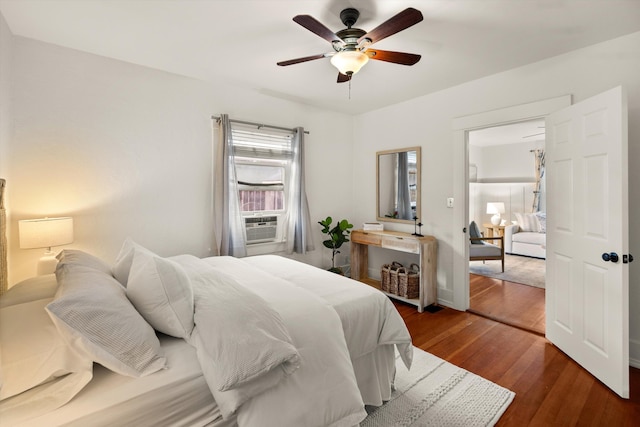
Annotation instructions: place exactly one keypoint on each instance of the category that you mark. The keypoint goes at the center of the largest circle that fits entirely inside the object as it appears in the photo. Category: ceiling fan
(351, 45)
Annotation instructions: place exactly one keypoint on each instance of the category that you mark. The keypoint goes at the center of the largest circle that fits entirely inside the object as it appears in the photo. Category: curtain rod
(259, 125)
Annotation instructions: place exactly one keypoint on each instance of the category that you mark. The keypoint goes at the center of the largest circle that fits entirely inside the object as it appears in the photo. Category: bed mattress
(178, 396)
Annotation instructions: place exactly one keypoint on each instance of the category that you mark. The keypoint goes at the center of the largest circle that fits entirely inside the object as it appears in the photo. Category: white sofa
(528, 243)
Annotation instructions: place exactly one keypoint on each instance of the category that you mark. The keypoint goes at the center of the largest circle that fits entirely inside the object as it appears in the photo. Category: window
(264, 167)
(261, 185)
(262, 159)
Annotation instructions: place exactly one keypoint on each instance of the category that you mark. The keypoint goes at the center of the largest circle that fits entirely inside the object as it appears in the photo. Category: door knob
(613, 257)
(627, 259)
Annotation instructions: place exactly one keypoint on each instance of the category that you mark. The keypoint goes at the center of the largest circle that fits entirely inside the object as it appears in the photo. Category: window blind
(261, 143)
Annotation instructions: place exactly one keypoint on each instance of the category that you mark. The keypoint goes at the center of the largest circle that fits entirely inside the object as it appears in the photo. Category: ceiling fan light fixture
(351, 43)
(349, 62)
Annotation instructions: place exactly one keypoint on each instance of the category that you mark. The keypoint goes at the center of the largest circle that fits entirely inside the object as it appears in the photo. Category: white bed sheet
(177, 396)
(32, 289)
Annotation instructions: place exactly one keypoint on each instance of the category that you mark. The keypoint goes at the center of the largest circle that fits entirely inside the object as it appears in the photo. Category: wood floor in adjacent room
(511, 303)
(551, 389)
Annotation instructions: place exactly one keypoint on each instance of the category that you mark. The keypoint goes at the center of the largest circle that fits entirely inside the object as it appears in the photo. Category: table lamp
(45, 233)
(495, 208)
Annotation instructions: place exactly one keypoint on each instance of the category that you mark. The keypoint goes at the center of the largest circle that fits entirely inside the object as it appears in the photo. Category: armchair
(480, 250)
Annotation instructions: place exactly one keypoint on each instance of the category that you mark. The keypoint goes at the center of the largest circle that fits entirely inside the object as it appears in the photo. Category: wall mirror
(398, 184)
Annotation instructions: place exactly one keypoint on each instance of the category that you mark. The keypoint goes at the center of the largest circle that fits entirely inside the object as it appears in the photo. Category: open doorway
(571, 316)
(507, 200)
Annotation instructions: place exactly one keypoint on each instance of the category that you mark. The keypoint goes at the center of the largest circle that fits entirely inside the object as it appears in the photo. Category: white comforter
(369, 319)
(322, 391)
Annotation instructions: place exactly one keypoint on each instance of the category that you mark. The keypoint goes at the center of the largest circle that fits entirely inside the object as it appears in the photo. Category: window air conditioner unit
(261, 229)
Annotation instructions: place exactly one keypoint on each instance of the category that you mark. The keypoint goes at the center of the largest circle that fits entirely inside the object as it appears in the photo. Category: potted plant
(337, 236)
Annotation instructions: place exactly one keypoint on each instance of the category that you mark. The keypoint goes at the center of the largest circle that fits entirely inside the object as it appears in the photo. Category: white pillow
(528, 222)
(33, 352)
(161, 292)
(122, 266)
(542, 221)
(94, 316)
(74, 256)
(120, 269)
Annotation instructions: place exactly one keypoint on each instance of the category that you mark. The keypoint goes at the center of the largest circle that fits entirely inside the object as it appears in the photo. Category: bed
(220, 341)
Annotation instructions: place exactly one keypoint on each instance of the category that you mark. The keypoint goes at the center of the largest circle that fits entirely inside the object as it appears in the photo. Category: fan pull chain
(349, 87)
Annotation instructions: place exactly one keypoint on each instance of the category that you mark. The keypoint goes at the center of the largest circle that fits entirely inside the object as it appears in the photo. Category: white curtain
(299, 237)
(228, 220)
(404, 193)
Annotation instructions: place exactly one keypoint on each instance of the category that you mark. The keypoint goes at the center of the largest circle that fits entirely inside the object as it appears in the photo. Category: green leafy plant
(338, 235)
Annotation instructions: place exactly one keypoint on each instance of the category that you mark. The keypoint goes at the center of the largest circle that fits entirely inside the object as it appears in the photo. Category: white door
(587, 304)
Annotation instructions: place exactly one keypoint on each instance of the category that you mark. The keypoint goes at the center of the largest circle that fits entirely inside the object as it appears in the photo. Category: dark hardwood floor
(551, 389)
(507, 302)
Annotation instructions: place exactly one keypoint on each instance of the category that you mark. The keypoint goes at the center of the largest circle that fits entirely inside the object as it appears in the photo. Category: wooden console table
(494, 231)
(425, 247)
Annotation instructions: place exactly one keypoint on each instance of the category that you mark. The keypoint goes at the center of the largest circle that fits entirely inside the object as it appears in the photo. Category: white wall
(427, 121)
(506, 163)
(126, 151)
(6, 113)
(517, 198)
(506, 173)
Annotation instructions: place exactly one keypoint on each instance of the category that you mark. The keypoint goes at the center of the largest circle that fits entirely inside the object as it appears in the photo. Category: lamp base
(495, 220)
(47, 264)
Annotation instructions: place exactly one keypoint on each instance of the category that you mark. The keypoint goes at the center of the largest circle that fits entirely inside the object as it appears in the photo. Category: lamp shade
(349, 61)
(45, 232)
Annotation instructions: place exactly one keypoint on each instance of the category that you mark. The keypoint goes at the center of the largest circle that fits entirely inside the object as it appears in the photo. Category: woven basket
(385, 275)
(409, 282)
(393, 277)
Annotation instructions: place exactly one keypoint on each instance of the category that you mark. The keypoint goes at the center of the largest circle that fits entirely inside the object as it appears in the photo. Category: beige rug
(438, 393)
(517, 269)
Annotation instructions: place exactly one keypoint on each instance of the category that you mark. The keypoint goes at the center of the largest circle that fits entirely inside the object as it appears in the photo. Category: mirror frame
(418, 181)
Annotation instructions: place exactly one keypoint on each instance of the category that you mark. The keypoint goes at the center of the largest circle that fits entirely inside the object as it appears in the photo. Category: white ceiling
(240, 41)
(514, 133)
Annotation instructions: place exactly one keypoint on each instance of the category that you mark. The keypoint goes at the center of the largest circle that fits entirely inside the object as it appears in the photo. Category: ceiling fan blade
(299, 60)
(315, 26)
(391, 56)
(395, 24)
(342, 78)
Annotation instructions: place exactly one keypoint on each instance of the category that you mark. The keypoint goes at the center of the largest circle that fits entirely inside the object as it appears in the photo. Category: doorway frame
(461, 127)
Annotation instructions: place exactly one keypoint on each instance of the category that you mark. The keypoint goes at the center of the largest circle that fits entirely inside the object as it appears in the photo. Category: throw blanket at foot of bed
(305, 373)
